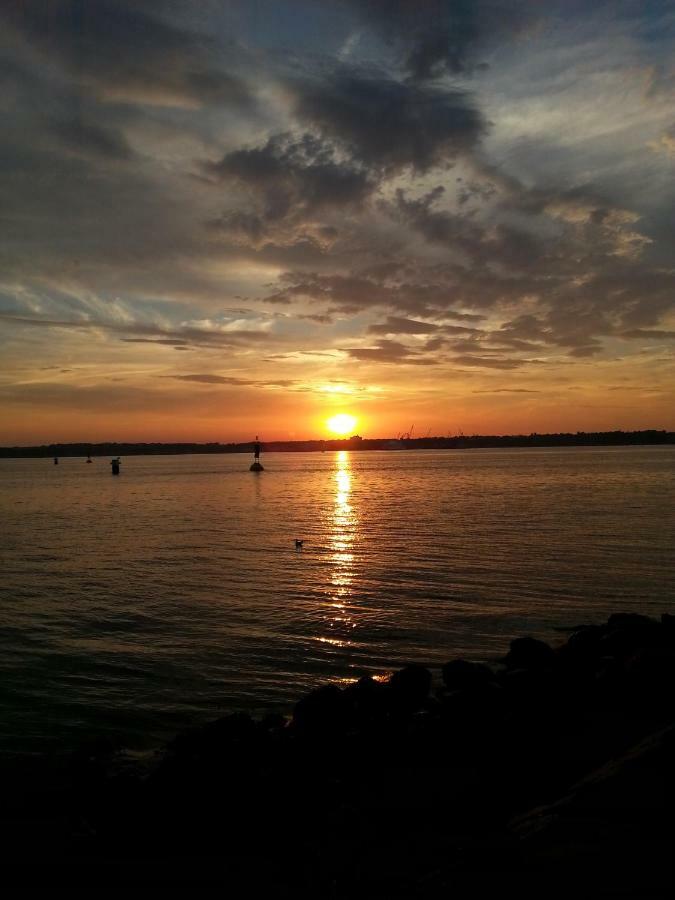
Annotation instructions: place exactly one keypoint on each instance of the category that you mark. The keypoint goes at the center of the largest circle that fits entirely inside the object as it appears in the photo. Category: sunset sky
(231, 217)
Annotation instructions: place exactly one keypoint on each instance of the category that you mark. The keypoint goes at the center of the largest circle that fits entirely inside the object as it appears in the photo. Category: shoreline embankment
(549, 772)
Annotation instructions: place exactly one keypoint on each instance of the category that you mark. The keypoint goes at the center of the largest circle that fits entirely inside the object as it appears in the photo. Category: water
(134, 606)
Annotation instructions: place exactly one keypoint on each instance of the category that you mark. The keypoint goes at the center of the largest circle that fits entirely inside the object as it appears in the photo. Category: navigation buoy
(256, 466)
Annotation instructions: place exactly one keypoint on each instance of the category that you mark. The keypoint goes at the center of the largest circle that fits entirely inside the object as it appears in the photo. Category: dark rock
(628, 620)
(411, 685)
(583, 645)
(651, 672)
(609, 681)
(530, 653)
(324, 709)
(668, 630)
(368, 699)
(460, 674)
(611, 834)
(479, 709)
(630, 632)
(273, 722)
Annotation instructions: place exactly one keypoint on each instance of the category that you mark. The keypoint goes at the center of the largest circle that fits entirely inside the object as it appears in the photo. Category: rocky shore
(549, 773)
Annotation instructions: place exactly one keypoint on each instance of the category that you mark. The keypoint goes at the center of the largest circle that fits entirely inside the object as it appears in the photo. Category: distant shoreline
(649, 437)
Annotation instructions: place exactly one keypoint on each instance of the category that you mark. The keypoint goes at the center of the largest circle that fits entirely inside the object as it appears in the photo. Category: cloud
(488, 362)
(161, 160)
(89, 139)
(288, 179)
(123, 52)
(354, 293)
(208, 378)
(388, 125)
(437, 36)
(400, 325)
(181, 336)
(498, 242)
(665, 143)
(389, 352)
(652, 334)
(169, 342)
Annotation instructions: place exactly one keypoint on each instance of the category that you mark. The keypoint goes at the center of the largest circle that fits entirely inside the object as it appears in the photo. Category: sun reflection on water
(343, 526)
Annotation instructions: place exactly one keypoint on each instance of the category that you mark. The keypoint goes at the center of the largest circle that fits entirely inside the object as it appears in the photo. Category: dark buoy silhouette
(298, 544)
(256, 466)
(89, 459)
(115, 465)
(56, 460)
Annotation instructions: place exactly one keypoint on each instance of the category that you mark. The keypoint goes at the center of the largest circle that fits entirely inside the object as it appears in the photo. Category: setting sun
(341, 424)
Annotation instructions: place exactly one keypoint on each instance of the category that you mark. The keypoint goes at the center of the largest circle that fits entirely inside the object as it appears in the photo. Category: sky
(235, 217)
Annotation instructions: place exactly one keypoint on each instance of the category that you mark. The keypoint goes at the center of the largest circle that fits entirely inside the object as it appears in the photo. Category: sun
(341, 424)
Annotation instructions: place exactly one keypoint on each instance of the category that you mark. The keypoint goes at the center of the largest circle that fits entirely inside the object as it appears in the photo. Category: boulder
(460, 674)
(323, 709)
(628, 620)
(530, 653)
(410, 686)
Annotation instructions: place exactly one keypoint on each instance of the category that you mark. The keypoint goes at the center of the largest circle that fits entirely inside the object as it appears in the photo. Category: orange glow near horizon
(341, 424)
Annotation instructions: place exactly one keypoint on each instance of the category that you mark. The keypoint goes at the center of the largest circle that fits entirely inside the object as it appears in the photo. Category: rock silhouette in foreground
(538, 770)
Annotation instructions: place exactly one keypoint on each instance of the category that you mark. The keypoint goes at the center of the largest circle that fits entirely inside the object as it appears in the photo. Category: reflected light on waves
(344, 525)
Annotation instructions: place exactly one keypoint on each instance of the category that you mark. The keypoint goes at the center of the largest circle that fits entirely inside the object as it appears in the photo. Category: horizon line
(342, 440)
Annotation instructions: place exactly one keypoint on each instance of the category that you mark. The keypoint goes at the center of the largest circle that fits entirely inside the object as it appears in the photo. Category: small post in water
(257, 465)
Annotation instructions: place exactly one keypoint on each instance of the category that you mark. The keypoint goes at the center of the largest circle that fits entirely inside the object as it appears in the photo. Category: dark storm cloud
(123, 51)
(367, 127)
(570, 325)
(351, 294)
(511, 247)
(389, 125)
(288, 178)
(437, 36)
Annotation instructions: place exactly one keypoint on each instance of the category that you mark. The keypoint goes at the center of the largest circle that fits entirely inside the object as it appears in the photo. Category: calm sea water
(136, 605)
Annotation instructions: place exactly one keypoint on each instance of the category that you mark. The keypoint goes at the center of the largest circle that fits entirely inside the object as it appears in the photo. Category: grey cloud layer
(142, 159)
(121, 50)
(436, 36)
(387, 124)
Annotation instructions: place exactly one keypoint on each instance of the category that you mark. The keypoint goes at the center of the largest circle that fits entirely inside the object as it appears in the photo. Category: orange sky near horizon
(203, 414)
